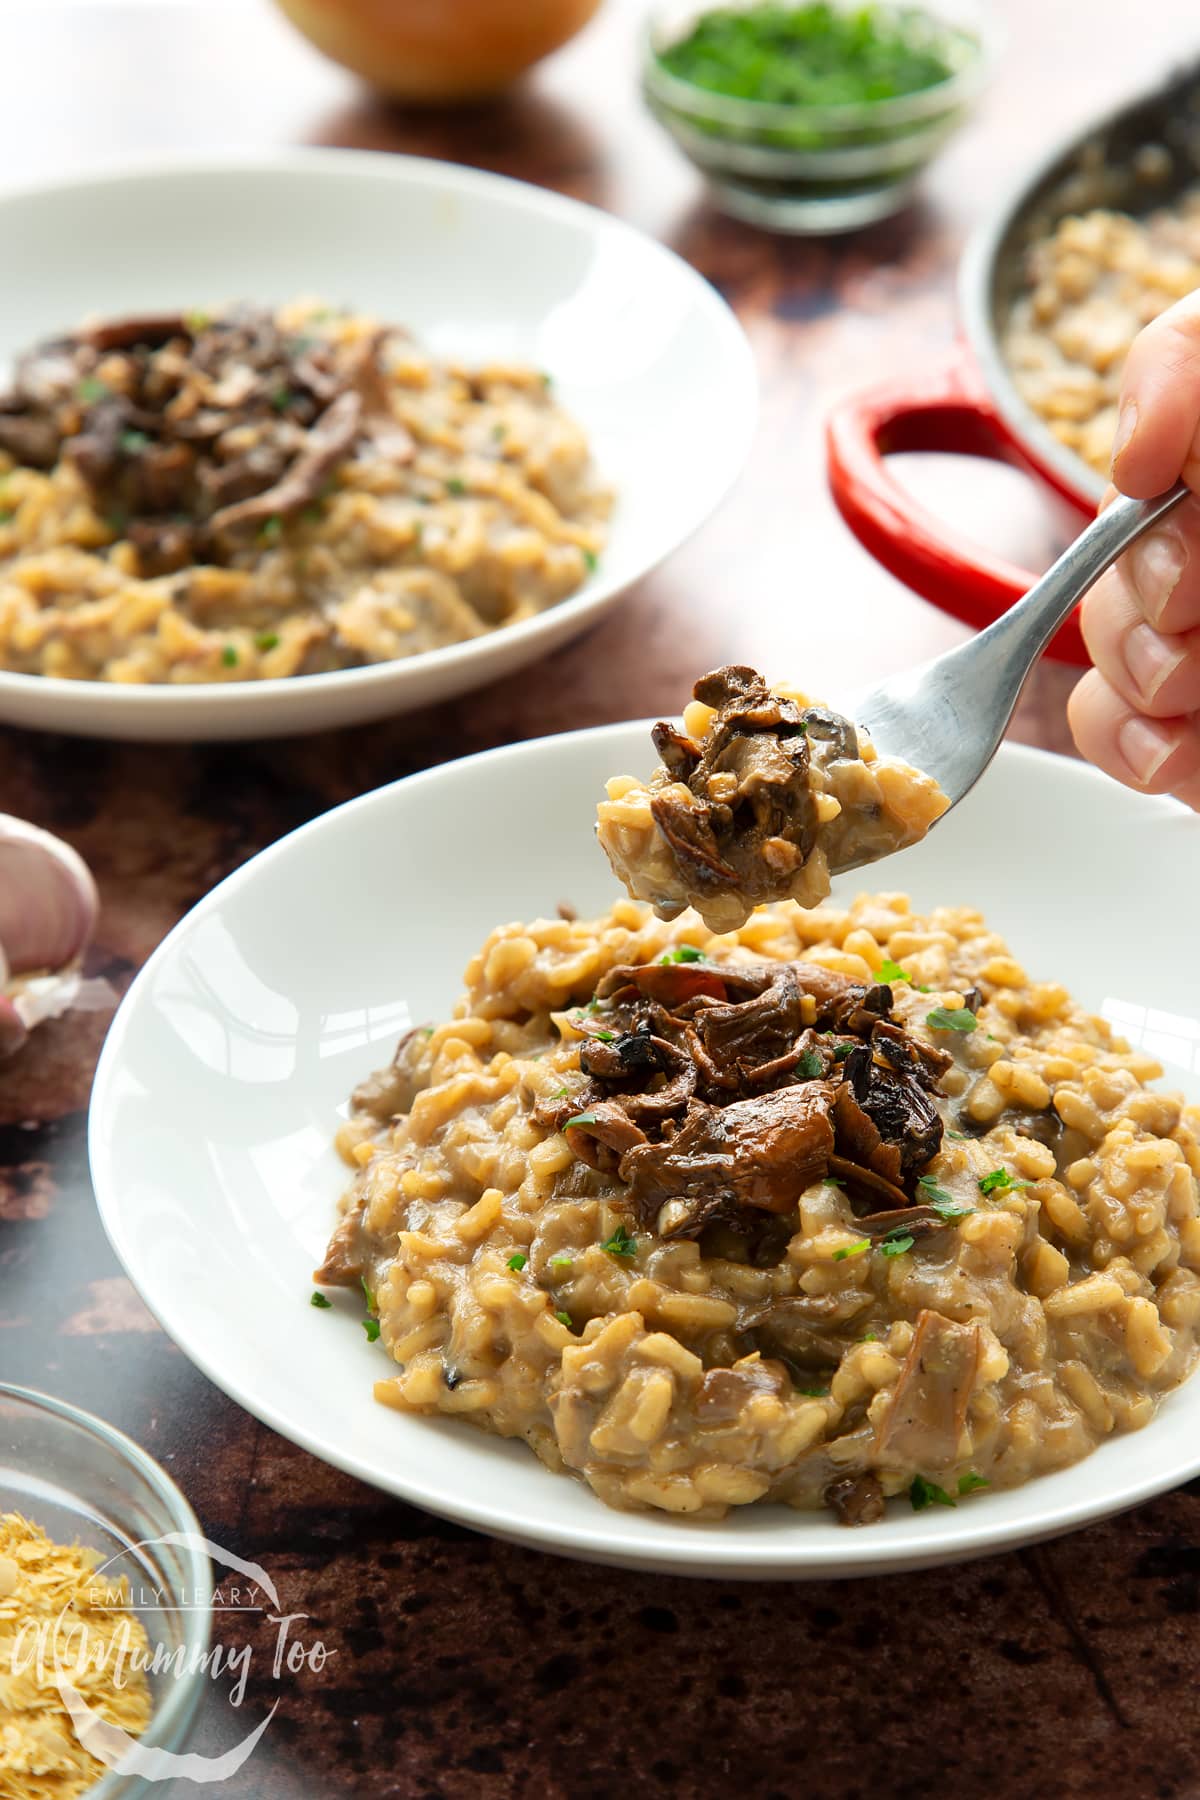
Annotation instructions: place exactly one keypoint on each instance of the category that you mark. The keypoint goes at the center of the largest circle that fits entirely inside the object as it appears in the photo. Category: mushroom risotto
(195, 498)
(838, 1205)
(761, 796)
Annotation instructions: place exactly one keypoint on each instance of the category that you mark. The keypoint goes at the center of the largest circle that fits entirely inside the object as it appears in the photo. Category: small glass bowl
(80, 1480)
(813, 170)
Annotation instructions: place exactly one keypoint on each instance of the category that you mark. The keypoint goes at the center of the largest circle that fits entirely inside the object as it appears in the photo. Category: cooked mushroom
(928, 1407)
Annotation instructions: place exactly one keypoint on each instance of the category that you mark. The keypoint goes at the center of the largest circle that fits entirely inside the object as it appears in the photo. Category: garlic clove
(48, 899)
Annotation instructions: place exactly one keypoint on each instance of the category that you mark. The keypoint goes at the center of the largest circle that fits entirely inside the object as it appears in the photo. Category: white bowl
(220, 1084)
(642, 350)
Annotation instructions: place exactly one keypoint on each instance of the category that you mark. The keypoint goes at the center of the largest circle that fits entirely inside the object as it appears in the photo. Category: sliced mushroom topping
(856, 1499)
(928, 1408)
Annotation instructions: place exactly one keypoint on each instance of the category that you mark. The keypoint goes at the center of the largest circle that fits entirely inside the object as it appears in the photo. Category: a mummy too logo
(116, 1644)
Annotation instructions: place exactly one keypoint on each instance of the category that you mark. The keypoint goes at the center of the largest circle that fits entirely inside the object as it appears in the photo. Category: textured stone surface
(463, 1667)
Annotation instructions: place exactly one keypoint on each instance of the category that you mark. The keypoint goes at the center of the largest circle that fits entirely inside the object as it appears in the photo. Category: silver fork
(948, 716)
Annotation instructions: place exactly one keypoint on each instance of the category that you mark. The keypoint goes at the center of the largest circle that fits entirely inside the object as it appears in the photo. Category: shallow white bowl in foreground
(220, 1084)
(641, 349)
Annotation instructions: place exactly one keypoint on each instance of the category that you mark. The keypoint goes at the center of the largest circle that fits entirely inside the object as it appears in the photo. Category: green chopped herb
(281, 398)
(683, 953)
(852, 1250)
(134, 442)
(810, 1065)
(925, 1493)
(970, 1483)
(620, 1243)
(564, 1318)
(592, 561)
(371, 1327)
(7, 515)
(229, 656)
(371, 1306)
(841, 1052)
(427, 1031)
(197, 321)
(456, 485)
(815, 1393)
(991, 1037)
(895, 1244)
(562, 1262)
(999, 1182)
(959, 1137)
(605, 1037)
(91, 389)
(517, 1261)
(580, 1119)
(266, 640)
(813, 55)
(321, 1301)
(583, 1012)
(872, 1337)
(960, 1018)
(271, 530)
(941, 1200)
(833, 1181)
(891, 971)
(560, 1093)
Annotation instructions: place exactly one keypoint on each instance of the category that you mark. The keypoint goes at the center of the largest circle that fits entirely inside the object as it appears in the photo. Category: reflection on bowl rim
(172, 1716)
(958, 90)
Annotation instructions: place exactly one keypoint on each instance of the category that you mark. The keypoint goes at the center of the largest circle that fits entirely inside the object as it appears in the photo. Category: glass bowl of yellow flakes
(105, 1621)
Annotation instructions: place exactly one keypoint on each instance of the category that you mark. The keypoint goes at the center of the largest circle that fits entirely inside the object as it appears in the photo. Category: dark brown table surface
(465, 1667)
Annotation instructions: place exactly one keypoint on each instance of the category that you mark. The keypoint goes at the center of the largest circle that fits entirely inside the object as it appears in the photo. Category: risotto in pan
(839, 1205)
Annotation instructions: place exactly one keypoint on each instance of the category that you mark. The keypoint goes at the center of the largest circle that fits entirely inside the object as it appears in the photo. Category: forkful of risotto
(763, 795)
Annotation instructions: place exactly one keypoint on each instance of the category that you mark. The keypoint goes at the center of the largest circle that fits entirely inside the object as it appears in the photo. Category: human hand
(1136, 714)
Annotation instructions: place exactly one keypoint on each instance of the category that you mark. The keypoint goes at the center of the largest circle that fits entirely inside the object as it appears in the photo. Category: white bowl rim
(679, 1552)
(598, 593)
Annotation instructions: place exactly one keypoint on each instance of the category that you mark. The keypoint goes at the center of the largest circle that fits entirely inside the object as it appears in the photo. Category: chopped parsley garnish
(320, 1300)
(134, 442)
(517, 1261)
(266, 640)
(91, 389)
(584, 1012)
(683, 953)
(428, 1030)
(271, 530)
(872, 1337)
(833, 1181)
(561, 1262)
(560, 1093)
(197, 321)
(564, 1318)
(960, 1137)
(371, 1327)
(7, 515)
(895, 1244)
(815, 1393)
(925, 1493)
(959, 1018)
(592, 561)
(371, 1306)
(455, 485)
(810, 1065)
(580, 1119)
(229, 656)
(621, 1243)
(891, 971)
(605, 1037)
(999, 1182)
(281, 398)
(941, 1200)
(852, 1250)
(841, 1052)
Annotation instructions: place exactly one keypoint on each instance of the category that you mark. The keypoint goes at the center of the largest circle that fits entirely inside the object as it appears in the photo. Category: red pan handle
(947, 409)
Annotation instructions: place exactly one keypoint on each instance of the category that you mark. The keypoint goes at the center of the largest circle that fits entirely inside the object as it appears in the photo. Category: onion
(48, 900)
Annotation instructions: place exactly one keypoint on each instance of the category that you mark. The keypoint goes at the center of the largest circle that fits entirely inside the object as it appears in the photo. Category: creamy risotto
(841, 1205)
(762, 796)
(1093, 283)
(251, 494)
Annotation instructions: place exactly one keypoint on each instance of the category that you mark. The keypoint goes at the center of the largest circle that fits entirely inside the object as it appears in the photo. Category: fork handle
(1018, 637)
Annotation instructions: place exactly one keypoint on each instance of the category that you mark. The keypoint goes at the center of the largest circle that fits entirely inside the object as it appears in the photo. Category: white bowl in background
(642, 350)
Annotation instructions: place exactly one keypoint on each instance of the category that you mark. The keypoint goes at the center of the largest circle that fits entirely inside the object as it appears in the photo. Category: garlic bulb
(48, 900)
